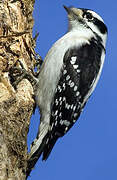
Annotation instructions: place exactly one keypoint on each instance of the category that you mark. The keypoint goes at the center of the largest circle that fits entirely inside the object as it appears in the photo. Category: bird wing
(78, 74)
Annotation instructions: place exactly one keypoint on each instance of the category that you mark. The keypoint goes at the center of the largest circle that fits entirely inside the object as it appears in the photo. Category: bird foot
(17, 74)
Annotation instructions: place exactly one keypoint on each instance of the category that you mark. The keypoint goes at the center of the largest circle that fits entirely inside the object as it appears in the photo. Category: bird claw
(38, 64)
(17, 74)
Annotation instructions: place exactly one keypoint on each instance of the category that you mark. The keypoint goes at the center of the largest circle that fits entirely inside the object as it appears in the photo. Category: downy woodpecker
(68, 76)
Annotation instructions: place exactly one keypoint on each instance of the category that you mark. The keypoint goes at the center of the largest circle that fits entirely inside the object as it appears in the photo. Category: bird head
(83, 19)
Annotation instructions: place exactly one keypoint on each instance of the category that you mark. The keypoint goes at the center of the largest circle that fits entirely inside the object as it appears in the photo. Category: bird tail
(36, 150)
(49, 144)
(43, 145)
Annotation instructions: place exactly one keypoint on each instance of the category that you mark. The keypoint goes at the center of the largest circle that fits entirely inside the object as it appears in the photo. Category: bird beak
(74, 13)
(67, 9)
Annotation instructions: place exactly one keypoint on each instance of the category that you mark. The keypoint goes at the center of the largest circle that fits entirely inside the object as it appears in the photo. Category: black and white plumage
(68, 77)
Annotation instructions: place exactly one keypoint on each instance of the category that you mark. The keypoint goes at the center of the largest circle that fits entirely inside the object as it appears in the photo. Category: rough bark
(16, 106)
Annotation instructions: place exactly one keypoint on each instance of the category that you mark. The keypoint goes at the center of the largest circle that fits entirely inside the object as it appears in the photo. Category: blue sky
(89, 150)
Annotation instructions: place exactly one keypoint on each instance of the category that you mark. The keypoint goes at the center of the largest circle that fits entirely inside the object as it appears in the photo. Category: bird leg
(17, 74)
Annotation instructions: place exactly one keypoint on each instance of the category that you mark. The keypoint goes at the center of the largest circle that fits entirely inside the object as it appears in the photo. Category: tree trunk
(16, 106)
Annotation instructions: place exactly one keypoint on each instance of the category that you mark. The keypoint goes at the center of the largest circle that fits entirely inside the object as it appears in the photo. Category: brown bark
(16, 106)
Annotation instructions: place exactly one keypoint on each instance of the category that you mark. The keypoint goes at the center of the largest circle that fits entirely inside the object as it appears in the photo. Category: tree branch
(16, 106)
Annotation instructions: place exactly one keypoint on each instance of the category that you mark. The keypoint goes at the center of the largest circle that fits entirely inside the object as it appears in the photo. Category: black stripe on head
(100, 25)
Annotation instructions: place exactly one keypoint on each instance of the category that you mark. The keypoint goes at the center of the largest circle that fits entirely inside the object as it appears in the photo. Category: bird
(68, 76)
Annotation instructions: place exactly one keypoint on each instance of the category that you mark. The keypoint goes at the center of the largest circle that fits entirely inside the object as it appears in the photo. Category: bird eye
(88, 16)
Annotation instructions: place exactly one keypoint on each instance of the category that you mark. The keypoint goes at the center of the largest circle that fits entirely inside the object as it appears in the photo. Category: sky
(89, 150)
